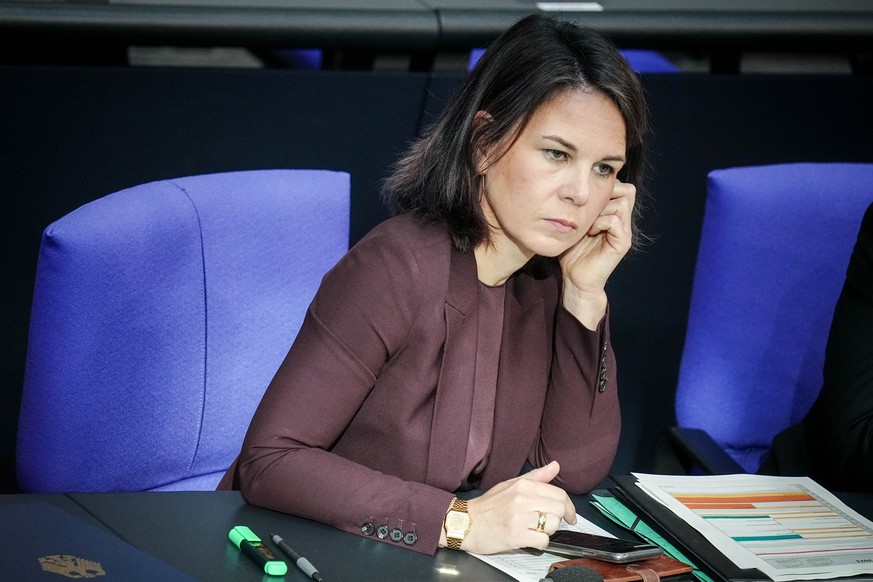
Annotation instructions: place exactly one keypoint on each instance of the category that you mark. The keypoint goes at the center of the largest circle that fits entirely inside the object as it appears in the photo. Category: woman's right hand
(506, 516)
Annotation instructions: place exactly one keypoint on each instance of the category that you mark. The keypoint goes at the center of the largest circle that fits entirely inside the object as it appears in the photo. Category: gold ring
(541, 522)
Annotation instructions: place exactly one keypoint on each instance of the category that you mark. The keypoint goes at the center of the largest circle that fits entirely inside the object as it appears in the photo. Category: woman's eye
(604, 169)
(556, 155)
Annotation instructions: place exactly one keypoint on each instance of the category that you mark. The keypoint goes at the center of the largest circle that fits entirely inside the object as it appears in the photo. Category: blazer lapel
(454, 396)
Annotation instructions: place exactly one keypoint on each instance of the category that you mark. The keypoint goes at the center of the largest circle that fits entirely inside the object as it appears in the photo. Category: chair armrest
(699, 448)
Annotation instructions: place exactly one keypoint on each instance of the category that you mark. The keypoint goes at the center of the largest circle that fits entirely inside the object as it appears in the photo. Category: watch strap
(454, 543)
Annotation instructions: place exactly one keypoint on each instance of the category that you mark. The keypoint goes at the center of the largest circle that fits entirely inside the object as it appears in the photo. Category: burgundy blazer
(367, 419)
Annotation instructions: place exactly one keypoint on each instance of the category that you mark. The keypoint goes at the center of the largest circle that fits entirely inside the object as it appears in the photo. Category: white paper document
(789, 528)
(529, 567)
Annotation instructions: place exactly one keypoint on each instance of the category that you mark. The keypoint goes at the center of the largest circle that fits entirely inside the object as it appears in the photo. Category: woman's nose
(576, 190)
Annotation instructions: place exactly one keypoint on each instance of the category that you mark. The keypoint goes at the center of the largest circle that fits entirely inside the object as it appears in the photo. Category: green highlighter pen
(251, 545)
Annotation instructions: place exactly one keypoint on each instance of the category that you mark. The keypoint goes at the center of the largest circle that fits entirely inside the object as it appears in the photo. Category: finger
(624, 190)
(535, 540)
(555, 501)
(610, 224)
(552, 499)
(622, 201)
(621, 205)
(550, 522)
(569, 511)
(543, 474)
(556, 509)
(536, 537)
(565, 510)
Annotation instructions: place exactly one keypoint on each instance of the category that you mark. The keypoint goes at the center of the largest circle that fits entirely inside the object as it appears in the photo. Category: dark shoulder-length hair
(531, 62)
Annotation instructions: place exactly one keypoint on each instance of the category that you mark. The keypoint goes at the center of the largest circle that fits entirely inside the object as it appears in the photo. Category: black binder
(687, 539)
(683, 536)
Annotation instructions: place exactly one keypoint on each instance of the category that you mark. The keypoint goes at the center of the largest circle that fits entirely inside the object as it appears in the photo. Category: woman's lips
(561, 225)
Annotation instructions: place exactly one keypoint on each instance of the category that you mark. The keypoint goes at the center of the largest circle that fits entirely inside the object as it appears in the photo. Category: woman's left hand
(587, 265)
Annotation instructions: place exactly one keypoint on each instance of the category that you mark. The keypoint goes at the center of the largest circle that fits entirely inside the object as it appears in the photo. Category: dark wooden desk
(188, 530)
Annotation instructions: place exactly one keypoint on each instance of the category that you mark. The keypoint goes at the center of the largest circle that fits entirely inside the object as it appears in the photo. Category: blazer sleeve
(359, 318)
(581, 419)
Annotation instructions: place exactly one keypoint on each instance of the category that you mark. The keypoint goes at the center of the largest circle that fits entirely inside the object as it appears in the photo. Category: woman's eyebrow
(564, 143)
(567, 145)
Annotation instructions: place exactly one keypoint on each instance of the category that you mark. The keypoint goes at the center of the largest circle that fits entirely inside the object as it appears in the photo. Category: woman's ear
(480, 152)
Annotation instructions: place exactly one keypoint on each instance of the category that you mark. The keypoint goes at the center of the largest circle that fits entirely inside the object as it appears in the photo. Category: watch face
(457, 521)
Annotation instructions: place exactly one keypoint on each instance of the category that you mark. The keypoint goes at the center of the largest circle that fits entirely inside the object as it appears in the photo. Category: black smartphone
(584, 545)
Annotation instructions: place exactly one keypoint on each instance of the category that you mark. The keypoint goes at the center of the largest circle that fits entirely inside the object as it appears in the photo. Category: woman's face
(543, 194)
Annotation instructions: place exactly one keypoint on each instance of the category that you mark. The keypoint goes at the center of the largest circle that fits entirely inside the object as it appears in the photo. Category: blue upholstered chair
(775, 244)
(160, 314)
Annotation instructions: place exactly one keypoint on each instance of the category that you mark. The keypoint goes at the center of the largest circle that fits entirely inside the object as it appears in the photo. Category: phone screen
(574, 543)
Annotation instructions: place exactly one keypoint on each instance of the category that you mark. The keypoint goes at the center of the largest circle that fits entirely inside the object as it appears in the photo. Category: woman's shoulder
(405, 239)
(400, 248)
(409, 230)
(377, 290)
(400, 265)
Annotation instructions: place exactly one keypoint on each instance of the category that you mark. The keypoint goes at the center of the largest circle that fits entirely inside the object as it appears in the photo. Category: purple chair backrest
(160, 314)
(774, 249)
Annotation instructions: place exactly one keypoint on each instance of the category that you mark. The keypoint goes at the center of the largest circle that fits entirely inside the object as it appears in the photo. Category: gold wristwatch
(457, 524)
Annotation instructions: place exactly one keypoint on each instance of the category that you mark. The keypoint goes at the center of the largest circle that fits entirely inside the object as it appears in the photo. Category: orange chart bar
(695, 505)
(747, 498)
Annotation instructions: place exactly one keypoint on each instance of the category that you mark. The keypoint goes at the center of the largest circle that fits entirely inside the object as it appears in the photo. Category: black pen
(299, 560)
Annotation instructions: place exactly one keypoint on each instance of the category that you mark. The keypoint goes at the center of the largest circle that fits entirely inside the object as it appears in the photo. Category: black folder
(43, 542)
(687, 539)
(691, 542)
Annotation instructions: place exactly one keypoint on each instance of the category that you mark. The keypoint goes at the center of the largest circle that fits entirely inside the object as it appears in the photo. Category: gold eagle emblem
(71, 566)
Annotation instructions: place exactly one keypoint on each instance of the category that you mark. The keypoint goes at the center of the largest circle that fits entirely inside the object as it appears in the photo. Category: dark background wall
(69, 135)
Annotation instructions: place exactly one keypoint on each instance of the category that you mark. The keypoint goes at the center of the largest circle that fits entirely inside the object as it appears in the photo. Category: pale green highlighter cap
(240, 533)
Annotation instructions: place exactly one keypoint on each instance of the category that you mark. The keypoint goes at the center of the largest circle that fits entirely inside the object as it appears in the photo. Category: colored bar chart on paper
(787, 527)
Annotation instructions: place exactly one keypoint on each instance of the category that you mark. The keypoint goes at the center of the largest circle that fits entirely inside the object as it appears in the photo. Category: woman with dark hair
(467, 337)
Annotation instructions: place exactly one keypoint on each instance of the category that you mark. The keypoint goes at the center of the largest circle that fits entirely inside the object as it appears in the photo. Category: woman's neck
(494, 266)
